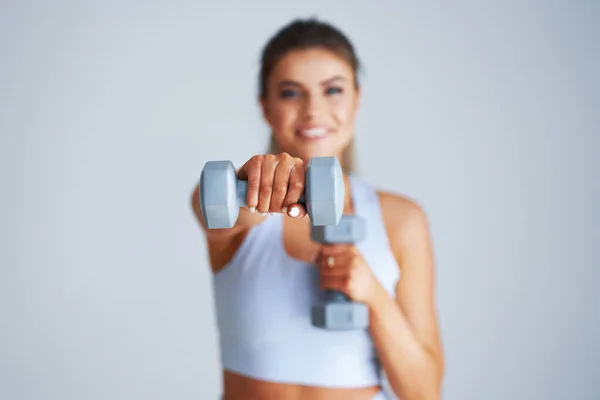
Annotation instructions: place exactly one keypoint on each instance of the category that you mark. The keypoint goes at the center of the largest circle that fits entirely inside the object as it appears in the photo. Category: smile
(313, 132)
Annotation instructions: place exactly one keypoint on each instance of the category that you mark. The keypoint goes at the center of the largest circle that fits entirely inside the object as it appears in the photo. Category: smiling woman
(309, 69)
(268, 273)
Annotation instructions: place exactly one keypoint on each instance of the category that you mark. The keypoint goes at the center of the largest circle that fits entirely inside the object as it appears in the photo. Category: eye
(288, 93)
(334, 90)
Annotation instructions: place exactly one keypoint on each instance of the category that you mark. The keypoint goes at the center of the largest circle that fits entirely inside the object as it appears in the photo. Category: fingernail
(294, 212)
(252, 209)
(263, 214)
(284, 210)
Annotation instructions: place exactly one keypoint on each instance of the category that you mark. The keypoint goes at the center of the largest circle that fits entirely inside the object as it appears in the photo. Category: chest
(272, 284)
(297, 246)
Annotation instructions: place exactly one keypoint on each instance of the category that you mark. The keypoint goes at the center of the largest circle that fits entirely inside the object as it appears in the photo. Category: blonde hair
(348, 160)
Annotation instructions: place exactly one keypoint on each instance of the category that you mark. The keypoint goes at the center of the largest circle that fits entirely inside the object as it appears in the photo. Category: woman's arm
(274, 181)
(222, 243)
(405, 330)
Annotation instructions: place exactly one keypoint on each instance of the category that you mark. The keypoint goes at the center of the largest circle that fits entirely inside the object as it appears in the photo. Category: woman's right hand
(275, 183)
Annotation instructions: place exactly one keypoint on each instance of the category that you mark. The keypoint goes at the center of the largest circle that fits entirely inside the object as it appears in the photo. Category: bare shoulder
(400, 208)
(405, 220)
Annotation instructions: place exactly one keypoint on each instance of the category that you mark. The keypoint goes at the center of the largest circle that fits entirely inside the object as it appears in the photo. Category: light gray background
(486, 112)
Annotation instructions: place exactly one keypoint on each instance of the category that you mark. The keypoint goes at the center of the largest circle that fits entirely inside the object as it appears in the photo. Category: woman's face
(311, 103)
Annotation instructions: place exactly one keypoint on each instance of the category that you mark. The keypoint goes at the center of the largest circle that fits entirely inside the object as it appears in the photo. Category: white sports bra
(263, 300)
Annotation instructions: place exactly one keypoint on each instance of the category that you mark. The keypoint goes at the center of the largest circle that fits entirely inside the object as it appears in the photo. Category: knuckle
(253, 184)
(279, 189)
(284, 156)
(256, 159)
(297, 185)
(265, 187)
(285, 167)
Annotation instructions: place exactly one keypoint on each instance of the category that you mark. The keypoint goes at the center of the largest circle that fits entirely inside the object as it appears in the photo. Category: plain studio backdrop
(488, 114)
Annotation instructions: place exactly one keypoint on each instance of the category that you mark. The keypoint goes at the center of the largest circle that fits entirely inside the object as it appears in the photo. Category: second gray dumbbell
(222, 193)
(338, 312)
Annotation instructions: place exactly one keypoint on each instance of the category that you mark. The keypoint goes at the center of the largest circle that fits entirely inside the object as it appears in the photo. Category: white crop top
(263, 301)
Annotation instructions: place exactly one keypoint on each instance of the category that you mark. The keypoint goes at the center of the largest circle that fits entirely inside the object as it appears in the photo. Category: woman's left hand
(343, 268)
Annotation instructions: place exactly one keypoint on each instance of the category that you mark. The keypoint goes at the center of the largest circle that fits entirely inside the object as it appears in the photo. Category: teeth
(314, 132)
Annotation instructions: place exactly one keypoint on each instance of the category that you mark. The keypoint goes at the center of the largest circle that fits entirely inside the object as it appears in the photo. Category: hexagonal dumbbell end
(349, 229)
(219, 198)
(340, 315)
(324, 191)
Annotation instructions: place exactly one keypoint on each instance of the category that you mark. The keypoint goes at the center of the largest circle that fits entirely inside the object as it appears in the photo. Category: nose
(313, 106)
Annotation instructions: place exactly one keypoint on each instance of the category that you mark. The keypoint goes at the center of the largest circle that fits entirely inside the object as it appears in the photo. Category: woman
(268, 273)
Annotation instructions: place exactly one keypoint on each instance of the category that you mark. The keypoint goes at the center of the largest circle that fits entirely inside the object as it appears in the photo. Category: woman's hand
(275, 183)
(343, 268)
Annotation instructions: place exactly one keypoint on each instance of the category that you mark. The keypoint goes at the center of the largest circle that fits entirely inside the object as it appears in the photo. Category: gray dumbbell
(222, 193)
(338, 312)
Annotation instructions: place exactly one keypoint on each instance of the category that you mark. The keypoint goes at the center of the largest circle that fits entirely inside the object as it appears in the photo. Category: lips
(313, 133)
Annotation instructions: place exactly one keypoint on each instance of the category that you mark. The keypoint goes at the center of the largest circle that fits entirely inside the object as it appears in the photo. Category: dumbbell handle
(335, 295)
(242, 193)
(350, 230)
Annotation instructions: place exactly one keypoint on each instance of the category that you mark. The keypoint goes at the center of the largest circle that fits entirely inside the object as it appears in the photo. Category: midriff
(238, 387)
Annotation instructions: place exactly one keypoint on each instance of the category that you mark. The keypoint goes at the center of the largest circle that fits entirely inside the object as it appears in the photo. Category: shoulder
(401, 211)
(406, 222)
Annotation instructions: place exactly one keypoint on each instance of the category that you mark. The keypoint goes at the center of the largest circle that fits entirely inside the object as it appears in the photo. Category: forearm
(413, 371)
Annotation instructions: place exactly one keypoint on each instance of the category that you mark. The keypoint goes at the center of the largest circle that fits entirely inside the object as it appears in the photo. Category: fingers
(275, 184)
(335, 265)
(267, 178)
(251, 171)
(337, 268)
(281, 182)
(295, 189)
(337, 249)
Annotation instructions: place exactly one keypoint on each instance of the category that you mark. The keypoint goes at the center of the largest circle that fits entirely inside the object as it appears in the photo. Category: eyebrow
(288, 82)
